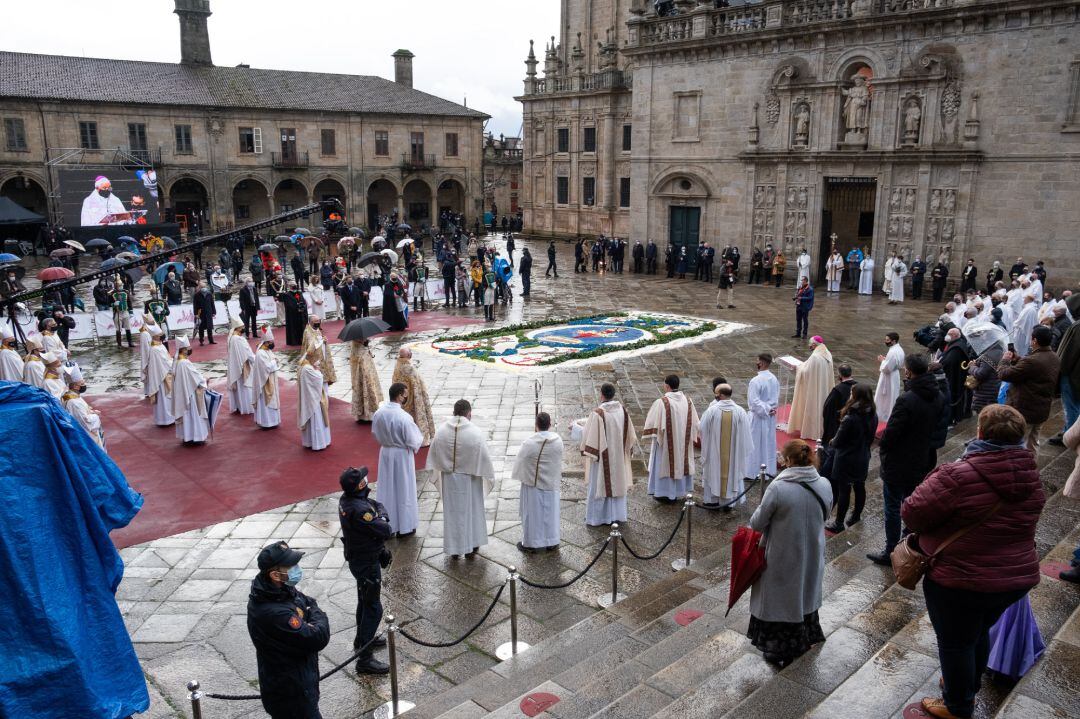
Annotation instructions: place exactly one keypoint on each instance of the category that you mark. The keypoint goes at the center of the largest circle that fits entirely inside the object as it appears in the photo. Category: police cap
(352, 478)
(278, 554)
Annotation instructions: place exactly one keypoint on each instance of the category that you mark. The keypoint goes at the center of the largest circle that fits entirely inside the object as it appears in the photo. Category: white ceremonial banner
(375, 297)
(222, 316)
(267, 309)
(181, 317)
(84, 326)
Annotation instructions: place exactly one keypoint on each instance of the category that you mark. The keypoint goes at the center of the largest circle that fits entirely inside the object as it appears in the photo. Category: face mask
(295, 575)
(270, 346)
(81, 389)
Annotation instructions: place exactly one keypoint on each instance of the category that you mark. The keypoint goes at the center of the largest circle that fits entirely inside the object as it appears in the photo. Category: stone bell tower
(194, 36)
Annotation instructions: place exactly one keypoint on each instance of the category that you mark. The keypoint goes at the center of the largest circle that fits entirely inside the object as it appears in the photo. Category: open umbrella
(97, 243)
(309, 242)
(346, 242)
(168, 242)
(55, 273)
(301, 231)
(162, 272)
(362, 328)
(406, 241)
(62, 252)
(9, 257)
(368, 258)
(282, 238)
(378, 243)
(111, 263)
(391, 255)
(747, 562)
(984, 335)
(75, 245)
(135, 274)
(404, 227)
(356, 232)
(18, 270)
(126, 239)
(267, 247)
(126, 256)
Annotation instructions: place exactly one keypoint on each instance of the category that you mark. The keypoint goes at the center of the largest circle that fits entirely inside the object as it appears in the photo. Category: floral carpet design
(579, 340)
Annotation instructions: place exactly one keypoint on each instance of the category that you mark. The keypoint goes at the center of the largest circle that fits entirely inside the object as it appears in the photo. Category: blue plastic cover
(67, 652)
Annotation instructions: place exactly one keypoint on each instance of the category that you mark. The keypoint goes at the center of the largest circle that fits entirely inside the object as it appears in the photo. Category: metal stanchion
(537, 386)
(394, 707)
(761, 480)
(606, 600)
(196, 699)
(688, 507)
(512, 647)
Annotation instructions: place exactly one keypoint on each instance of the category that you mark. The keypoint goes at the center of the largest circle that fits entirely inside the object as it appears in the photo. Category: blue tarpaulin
(67, 653)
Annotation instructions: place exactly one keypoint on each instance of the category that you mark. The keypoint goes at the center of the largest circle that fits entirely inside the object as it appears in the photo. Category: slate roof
(85, 79)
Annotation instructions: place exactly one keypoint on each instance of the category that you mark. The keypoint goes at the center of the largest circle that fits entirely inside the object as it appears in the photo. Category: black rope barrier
(682, 516)
(444, 645)
(750, 483)
(332, 672)
(579, 575)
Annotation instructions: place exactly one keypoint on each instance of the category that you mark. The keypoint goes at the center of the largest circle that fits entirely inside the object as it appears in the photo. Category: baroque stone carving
(800, 121)
(856, 111)
(912, 117)
(772, 109)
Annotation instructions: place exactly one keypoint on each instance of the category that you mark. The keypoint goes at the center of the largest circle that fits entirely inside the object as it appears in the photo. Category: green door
(686, 232)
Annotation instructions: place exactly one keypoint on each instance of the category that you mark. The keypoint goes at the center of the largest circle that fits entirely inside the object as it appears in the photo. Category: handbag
(909, 563)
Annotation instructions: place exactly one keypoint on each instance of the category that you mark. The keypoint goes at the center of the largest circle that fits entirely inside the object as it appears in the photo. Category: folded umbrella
(75, 245)
(362, 329)
(9, 257)
(97, 243)
(62, 252)
(747, 563)
(55, 273)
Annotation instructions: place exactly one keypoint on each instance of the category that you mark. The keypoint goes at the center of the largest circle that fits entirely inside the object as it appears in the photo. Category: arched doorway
(289, 194)
(251, 201)
(188, 200)
(417, 199)
(451, 196)
(330, 189)
(27, 193)
(381, 200)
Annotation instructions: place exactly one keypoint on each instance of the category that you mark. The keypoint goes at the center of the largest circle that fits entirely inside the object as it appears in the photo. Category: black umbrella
(282, 238)
(362, 328)
(356, 232)
(111, 263)
(268, 248)
(379, 243)
(168, 242)
(18, 270)
(97, 243)
(368, 258)
(135, 274)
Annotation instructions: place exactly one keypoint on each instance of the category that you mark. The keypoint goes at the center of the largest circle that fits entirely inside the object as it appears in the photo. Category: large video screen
(108, 196)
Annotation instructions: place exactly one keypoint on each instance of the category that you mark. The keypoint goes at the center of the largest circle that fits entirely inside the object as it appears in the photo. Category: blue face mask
(295, 575)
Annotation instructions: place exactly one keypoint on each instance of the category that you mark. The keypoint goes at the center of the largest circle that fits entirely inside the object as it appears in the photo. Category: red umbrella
(747, 563)
(55, 273)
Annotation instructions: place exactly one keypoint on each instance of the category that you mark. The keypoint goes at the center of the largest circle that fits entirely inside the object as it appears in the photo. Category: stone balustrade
(605, 80)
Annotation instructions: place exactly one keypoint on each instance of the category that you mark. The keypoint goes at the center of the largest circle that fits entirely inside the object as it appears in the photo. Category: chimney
(403, 67)
(194, 37)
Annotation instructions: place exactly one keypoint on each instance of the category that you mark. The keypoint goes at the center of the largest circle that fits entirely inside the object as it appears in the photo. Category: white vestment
(189, 402)
(1015, 299)
(318, 301)
(834, 270)
(813, 382)
(313, 408)
(896, 290)
(672, 424)
(463, 474)
(1035, 290)
(887, 278)
(763, 399)
(55, 386)
(399, 440)
(158, 367)
(802, 264)
(264, 384)
(144, 357)
(1007, 316)
(52, 343)
(889, 385)
(238, 374)
(866, 278)
(1022, 327)
(95, 207)
(11, 366)
(34, 371)
(606, 443)
(726, 450)
(538, 468)
(87, 418)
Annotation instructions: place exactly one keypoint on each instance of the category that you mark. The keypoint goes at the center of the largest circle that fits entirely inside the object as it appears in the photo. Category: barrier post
(761, 480)
(688, 507)
(513, 647)
(606, 600)
(196, 699)
(396, 706)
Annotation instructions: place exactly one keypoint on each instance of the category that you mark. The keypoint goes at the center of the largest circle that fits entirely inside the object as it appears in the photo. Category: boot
(371, 665)
(128, 333)
(118, 342)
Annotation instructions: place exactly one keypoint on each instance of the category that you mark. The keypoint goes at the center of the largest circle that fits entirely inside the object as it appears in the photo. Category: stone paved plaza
(184, 597)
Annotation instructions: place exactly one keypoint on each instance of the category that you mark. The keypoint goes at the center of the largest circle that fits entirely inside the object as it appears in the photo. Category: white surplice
(672, 425)
(866, 277)
(802, 265)
(313, 408)
(11, 366)
(763, 399)
(834, 271)
(726, 449)
(318, 301)
(145, 341)
(463, 475)
(189, 402)
(34, 371)
(399, 440)
(87, 418)
(896, 289)
(51, 342)
(538, 468)
(889, 385)
(158, 367)
(1025, 322)
(887, 278)
(813, 382)
(606, 443)
(264, 384)
(238, 374)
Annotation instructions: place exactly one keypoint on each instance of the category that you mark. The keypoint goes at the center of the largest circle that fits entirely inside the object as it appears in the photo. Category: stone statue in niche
(789, 223)
(906, 226)
(770, 196)
(950, 201)
(935, 201)
(800, 228)
(909, 200)
(769, 222)
(791, 197)
(802, 198)
(945, 256)
(912, 121)
(947, 229)
(759, 196)
(801, 118)
(932, 229)
(895, 199)
(759, 221)
(894, 226)
(856, 110)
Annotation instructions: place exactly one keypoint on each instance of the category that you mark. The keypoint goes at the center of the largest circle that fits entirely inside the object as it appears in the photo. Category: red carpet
(242, 471)
(781, 436)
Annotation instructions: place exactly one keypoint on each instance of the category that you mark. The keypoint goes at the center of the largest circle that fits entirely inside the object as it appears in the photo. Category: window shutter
(257, 137)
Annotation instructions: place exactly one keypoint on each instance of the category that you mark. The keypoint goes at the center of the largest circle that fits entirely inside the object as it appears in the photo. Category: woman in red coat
(991, 566)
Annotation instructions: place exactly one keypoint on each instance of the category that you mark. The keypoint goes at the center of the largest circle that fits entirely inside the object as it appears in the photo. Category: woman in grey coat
(784, 601)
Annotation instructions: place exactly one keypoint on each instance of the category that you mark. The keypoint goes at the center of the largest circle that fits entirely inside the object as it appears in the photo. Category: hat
(267, 334)
(278, 554)
(33, 342)
(101, 181)
(235, 323)
(154, 330)
(74, 374)
(352, 478)
(6, 333)
(50, 358)
(182, 342)
(816, 339)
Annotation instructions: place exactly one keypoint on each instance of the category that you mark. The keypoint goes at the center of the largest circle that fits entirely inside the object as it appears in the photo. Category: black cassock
(391, 315)
(295, 317)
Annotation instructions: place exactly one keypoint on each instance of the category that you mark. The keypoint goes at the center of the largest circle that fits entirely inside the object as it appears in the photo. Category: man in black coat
(970, 276)
(525, 271)
(650, 258)
(203, 306)
(449, 269)
(938, 277)
(669, 261)
(838, 397)
(918, 274)
(298, 270)
(296, 315)
(350, 299)
(916, 429)
(552, 267)
(364, 287)
(249, 307)
(510, 247)
(580, 265)
(365, 527)
(638, 255)
(954, 364)
(708, 256)
(288, 630)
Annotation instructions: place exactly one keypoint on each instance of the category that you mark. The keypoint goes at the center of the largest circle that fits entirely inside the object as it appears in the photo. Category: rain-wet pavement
(184, 597)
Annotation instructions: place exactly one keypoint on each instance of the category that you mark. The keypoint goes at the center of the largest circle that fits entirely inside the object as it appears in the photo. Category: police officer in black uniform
(288, 630)
(364, 527)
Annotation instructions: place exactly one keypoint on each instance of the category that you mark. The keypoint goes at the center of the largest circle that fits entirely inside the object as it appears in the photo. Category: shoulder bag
(909, 563)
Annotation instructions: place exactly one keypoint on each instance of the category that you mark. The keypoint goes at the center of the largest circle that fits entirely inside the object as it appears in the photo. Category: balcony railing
(148, 157)
(411, 162)
(289, 159)
(606, 80)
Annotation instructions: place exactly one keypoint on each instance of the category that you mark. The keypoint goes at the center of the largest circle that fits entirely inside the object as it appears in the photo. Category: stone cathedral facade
(933, 128)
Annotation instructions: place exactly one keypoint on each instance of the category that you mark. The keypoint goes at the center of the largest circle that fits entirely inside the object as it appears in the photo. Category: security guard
(364, 527)
(288, 630)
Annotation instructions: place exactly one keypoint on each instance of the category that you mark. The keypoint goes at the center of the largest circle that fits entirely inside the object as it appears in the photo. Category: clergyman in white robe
(866, 276)
(313, 405)
(463, 474)
(726, 449)
(159, 379)
(11, 364)
(896, 289)
(763, 399)
(813, 382)
(538, 469)
(887, 278)
(802, 265)
(834, 271)
(238, 371)
(889, 384)
(606, 444)
(672, 425)
(189, 397)
(1023, 325)
(264, 384)
(399, 440)
(145, 340)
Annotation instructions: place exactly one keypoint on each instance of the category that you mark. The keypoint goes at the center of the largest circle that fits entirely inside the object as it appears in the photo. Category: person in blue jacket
(804, 302)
